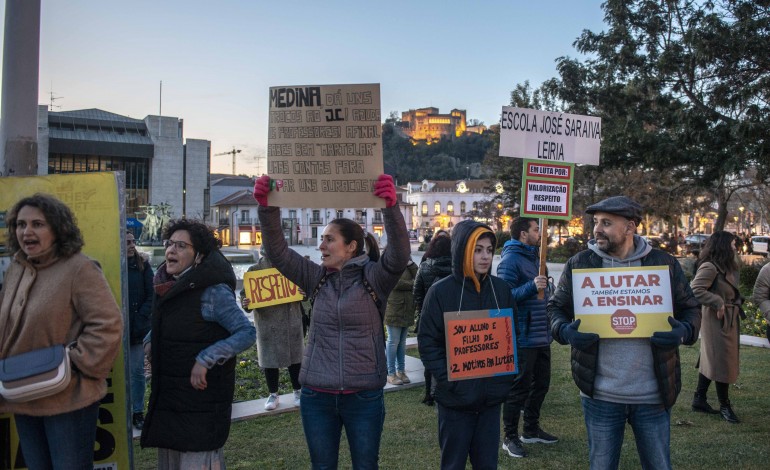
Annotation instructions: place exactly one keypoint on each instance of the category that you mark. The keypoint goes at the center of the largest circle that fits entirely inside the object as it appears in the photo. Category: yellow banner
(627, 302)
(97, 202)
(268, 287)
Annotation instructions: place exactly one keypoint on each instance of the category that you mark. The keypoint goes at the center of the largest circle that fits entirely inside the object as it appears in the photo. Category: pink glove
(261, 188)
(385, 189)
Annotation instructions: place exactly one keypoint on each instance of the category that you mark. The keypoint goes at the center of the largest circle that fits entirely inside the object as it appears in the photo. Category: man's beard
(610, 246)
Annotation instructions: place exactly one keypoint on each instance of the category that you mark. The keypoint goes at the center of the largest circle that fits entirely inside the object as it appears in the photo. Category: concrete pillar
(18, 117)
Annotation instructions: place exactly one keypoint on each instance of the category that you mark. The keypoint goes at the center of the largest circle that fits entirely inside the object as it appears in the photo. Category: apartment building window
(450, 208)
(424, 208)
(462, 207)
(437, 208)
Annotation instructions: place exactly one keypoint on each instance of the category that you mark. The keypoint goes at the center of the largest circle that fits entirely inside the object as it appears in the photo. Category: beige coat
(761, 295)
(61, 301)
(719, 344)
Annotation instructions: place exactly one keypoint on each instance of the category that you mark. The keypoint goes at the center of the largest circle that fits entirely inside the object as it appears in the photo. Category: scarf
(162, 281)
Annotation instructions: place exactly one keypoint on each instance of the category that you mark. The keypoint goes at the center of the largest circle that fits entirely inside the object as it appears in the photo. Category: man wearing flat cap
(634, 380)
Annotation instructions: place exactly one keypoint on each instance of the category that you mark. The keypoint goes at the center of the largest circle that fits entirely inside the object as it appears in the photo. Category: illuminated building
(428, 125)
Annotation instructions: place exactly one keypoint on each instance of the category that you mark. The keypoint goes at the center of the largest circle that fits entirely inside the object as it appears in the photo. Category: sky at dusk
(217, 60)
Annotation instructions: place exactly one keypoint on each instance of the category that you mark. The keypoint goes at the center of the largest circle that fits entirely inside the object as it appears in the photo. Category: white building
(235, 216)
(442, 204)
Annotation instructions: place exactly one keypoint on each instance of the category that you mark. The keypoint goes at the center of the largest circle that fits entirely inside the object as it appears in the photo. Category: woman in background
(55, 295)
(716, 287)
(399, 315)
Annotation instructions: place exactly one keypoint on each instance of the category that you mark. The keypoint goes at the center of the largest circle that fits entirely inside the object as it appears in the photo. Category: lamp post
(740, 225)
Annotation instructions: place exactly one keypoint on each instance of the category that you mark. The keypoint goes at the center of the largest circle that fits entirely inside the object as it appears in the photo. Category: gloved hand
(671, 339)
(578, 340)
(261, 188)
(385, 189)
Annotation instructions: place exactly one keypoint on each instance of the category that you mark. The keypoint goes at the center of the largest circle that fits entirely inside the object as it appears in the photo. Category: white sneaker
(297, 397)
(272, 402)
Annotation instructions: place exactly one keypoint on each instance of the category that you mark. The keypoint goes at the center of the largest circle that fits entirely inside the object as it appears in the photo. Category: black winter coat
(139, 298)
(430, 271)
(667, 365)
(444, 296)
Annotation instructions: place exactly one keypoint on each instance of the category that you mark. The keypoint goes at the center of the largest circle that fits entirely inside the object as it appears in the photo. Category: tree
(682, 86)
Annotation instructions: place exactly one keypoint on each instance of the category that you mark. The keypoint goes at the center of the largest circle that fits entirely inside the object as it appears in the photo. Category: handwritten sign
(629, 302)
(324, 145)
(480, 343)
(544, 135)
(268, 287)
(547, 189)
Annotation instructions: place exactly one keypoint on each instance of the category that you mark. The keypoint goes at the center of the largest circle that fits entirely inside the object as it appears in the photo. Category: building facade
(427, 124)
(442, 204)
(160, 165)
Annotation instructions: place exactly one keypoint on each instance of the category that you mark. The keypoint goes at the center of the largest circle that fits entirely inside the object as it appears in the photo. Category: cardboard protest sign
(268, 287)
(480, 343)
(628, 302)
(547, 189)
(324, 145)
(544, 135)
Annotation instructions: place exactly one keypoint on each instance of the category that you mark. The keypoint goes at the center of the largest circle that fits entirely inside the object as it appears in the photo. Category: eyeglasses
(130, 242)
(178, 244)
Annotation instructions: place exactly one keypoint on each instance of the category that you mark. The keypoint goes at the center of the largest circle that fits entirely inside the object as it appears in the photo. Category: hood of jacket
(461, 234)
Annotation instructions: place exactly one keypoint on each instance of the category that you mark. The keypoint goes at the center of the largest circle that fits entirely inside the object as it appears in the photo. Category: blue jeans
(64, 441)
(463, 434)
(323, 417)
(605, 423)
(395, 349)
(136, 364)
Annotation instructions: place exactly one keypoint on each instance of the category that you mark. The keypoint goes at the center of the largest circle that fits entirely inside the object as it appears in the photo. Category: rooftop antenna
(53, 104)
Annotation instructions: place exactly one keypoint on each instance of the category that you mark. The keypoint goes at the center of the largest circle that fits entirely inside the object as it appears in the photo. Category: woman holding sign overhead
(279, 339)
(344, 368)
(468, 409)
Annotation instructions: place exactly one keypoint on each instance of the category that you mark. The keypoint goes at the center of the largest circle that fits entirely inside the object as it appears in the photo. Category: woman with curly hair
(197, 329)
(55, 295)
(716, 287)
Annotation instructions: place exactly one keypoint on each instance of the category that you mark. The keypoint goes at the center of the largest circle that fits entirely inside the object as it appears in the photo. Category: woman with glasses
(139, 307)
(197, 329)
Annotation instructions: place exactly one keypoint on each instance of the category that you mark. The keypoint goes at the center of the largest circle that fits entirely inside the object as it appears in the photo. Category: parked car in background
(760, 244)
(693, 243)
(656, 242)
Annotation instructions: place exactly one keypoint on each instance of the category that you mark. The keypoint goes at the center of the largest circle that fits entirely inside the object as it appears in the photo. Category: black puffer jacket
(667, 367)
(444, 296)
(430, 271)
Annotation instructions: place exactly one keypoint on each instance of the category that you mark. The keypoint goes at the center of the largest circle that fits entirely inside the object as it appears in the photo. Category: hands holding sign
(383, 188)
(678, 334)
(578, 340)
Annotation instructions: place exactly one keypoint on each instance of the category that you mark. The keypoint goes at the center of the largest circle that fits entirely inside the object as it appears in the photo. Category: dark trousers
(271, 377)
(464, 434)
(528, 390)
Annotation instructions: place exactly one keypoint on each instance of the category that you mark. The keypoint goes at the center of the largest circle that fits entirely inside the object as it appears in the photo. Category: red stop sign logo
(623, 321)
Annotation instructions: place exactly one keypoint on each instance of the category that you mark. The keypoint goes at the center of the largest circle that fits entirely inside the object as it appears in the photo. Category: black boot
(700, 405)
(727, 413)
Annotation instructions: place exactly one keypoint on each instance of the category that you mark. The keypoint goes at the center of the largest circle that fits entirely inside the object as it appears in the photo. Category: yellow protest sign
(96, 200)
(268, 287)
(628, 302)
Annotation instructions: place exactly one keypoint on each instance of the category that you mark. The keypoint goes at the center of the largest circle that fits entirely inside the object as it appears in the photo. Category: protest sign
(544, 135)
(324, 145)
(267, 287)
(628, 302)
(97, 202)
(547, 189)
(480, 343)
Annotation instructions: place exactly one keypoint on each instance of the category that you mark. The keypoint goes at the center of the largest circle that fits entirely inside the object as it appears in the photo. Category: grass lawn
(409, 440)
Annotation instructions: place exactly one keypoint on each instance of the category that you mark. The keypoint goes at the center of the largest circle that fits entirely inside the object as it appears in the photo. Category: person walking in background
(634, 380)
(344, 369)
(519, 267)
(468, 410)
(279, 339)
(761, 295)
(197, 329)
(399, 315)
(139, 310)
(436, 265)
(55, 295)
(716, 287)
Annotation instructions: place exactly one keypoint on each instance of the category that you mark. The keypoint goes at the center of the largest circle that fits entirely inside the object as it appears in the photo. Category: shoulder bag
(35, 374)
